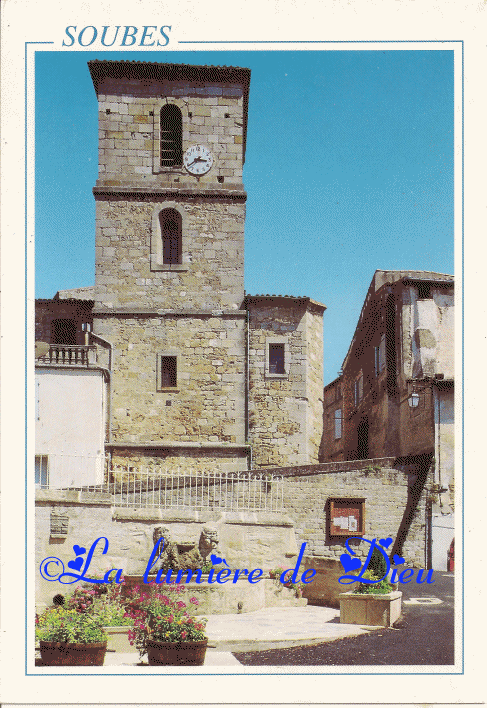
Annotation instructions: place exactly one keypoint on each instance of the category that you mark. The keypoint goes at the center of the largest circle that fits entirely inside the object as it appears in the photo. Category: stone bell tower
(170, 211)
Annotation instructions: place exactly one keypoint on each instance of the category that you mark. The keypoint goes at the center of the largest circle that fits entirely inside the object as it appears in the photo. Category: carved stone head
(209, 540)
(161, 531)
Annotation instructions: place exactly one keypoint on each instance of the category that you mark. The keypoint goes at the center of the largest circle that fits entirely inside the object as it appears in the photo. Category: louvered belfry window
(171, 136)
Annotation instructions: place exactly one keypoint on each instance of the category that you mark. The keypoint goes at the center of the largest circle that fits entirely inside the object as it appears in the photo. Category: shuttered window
(171, 136)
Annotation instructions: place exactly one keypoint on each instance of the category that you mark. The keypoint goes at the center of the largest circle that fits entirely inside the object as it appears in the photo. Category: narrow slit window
(338, 424)
(171, 232)
(169, 372)
(171, 140)
(276, 358)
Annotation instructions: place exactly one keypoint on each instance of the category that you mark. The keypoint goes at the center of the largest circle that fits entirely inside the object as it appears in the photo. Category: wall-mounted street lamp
(413, 400)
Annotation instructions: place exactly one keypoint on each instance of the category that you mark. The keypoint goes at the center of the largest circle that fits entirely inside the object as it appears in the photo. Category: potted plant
(275, 574)
(166, 632)
(70, 638)
(374, 604)
(110, 611)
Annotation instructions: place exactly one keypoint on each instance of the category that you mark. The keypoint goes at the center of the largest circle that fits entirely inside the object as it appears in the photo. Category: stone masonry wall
(212, 270)
(208, 403)
(176, 458)
(285, 410)
(385, 490)
(129, 134)
(314, 381)
(247, 539)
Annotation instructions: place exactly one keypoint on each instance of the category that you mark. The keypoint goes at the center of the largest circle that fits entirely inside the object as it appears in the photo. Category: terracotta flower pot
(66, 654)
(176, 653)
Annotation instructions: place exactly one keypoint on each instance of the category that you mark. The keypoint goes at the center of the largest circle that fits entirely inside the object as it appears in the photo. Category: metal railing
(145, 487)
(69, 355)
(226, 491)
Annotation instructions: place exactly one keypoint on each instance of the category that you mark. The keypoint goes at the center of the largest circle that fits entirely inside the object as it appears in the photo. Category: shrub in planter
(70, 638)
(377, 564)
(166, 632)
(380, 587)
(375, 604)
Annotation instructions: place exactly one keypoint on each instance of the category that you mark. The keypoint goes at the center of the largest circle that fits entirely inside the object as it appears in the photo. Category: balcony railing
(69, 355)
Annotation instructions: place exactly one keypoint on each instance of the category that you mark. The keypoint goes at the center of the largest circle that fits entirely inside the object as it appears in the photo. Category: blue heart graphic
(215, 560)
(76, 564)
(397, 560)
(350, 563)
(79, 550)
(386, 542)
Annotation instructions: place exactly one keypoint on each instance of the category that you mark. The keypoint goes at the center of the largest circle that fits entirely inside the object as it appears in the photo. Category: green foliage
(377, 564)
(381, 587)
(62, 624)
(111, 613)
(103, 602)
(207, 566)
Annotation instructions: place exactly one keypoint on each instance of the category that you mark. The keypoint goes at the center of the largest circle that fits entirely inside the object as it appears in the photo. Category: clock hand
(197, 159)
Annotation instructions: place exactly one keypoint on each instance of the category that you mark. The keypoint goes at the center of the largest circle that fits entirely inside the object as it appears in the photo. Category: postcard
(234, 352)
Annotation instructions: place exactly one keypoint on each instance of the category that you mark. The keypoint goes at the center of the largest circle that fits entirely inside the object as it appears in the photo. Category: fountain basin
(227, 598)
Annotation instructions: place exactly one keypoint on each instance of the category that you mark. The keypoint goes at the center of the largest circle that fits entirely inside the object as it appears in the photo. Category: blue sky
(349, 168)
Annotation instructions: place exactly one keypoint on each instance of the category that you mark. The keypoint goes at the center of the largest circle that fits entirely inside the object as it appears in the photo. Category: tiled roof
(101, 68)
(303, 299)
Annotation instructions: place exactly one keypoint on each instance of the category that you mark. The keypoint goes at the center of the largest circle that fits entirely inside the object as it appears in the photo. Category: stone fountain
(232, 596)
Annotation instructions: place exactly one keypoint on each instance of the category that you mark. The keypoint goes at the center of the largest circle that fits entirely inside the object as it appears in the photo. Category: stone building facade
(331, 447)
(201, 376)
(398, 386)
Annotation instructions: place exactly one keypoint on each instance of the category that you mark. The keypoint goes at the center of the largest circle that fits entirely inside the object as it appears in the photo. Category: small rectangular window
(42, 472)
(358, 390)
(169, 372)
(380, 356)
(276, 358)
(338, 424)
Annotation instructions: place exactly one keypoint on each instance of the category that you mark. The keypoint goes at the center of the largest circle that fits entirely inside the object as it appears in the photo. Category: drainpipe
(108, 373)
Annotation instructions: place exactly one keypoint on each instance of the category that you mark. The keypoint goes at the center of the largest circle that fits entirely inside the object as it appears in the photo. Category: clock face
(198, 160)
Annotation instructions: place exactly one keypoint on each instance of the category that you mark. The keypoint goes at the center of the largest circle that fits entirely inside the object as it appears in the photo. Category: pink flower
(181, 604)
(170, 618)
(184, 634)
(194, 601)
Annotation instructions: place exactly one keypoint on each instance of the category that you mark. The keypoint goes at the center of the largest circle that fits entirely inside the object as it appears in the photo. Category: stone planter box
(370, 610)
(118, 639)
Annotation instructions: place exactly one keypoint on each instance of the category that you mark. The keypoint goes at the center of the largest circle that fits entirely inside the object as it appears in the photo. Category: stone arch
(169, 228)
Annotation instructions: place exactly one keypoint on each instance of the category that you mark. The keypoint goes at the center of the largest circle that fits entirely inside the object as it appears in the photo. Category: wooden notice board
(346, 517)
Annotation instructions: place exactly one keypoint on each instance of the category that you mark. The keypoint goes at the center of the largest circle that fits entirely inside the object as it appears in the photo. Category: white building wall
(70, 425)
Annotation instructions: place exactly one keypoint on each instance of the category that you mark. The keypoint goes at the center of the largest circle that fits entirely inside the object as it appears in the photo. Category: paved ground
(271, 628)
(313, 636)
(424, 636)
